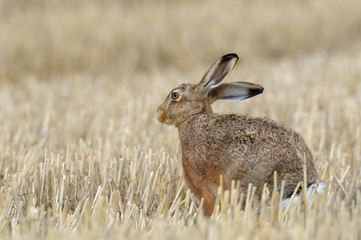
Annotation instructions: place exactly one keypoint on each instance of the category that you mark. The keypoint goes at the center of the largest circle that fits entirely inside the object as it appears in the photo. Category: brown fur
(235, 146)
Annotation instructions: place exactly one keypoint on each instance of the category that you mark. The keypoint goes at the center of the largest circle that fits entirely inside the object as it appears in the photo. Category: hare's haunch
(235, 146)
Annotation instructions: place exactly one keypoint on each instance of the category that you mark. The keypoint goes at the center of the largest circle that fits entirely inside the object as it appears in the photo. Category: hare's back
(241, 137)
(249, 130)
(259, 139)
(239, 131)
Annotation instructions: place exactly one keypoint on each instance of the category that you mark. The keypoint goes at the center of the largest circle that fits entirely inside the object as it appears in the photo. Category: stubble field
(82, 155)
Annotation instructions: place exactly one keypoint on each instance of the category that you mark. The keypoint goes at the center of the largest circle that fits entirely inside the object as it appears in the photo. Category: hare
(238, 147)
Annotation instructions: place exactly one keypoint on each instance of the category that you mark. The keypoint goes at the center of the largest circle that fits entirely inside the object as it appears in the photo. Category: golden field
(82, 155)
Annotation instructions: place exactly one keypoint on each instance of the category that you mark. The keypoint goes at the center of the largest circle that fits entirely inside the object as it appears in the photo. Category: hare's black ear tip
(231, 55)
(257, 90)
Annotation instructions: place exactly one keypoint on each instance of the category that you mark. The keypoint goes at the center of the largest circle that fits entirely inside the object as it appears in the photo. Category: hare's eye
(174, 95)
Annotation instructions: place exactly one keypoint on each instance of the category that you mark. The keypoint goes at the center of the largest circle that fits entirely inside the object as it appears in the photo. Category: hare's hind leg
(200, 189)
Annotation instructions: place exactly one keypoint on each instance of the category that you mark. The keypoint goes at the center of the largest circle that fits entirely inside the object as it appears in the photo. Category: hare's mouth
(162, 116)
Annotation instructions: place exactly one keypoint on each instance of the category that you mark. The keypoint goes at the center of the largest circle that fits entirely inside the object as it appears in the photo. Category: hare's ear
(235, 91)
(219, 70)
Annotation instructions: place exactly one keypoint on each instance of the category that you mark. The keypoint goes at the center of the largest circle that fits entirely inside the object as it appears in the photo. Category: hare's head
(190, 99)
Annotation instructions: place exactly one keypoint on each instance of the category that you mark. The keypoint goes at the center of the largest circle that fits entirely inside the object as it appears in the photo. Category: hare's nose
(161, 115)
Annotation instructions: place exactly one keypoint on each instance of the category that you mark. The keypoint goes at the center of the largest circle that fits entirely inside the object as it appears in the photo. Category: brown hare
(235, 146)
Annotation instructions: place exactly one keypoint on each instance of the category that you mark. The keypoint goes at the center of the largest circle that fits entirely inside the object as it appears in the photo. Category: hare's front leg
(199, 188)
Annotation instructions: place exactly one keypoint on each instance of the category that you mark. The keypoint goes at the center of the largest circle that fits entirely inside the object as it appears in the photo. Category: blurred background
(48, 38)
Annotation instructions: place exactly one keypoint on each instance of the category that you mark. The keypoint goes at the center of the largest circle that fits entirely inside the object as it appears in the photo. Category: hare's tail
(313, 190)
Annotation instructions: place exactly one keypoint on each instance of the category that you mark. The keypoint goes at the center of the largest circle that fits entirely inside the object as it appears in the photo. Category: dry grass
(82, 155)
